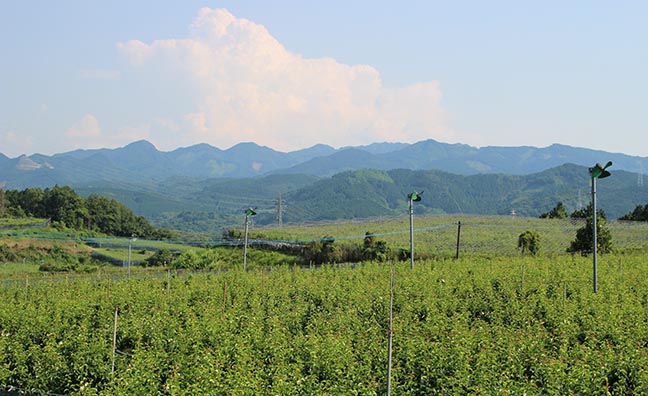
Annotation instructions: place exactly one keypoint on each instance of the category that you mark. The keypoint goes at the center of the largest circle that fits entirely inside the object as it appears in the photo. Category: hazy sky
(290, 74)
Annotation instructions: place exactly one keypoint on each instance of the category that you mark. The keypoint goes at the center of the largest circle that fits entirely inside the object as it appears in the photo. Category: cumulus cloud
(86, 127)
(246, 86)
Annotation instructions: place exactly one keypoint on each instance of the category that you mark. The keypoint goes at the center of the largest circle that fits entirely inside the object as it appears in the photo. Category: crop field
(501, 325)
(436, 236)
(494, 321)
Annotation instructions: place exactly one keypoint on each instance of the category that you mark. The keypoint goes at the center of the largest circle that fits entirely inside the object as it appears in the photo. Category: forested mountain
(217, 203)
(140, 162)
(358, 194)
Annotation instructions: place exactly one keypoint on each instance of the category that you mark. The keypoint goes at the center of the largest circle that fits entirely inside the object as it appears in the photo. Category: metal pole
(458, 238)
(130, 242)
(114, 345)
(411, 213)
(245, 244)
(594, 239)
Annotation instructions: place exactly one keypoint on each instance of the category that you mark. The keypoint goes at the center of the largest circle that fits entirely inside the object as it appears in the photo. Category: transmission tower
(279, 211)
(640, 175)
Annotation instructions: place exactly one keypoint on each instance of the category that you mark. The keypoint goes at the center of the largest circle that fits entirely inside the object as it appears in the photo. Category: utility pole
(596, 172)
(411, 198)
(248, 212)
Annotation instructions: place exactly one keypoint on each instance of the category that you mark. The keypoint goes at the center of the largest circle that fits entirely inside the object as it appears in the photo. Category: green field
(17, 223)
(513, 325)
(492, 322)
(436, 236)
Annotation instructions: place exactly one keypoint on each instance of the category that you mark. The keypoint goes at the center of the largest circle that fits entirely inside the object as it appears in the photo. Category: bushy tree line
(640, 213)
(67, 209)
(325, 251)
(558, 212)
(583, 243)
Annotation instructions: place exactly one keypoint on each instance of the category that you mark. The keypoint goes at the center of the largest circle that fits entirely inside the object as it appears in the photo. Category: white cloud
(248, 87)
(86, 127)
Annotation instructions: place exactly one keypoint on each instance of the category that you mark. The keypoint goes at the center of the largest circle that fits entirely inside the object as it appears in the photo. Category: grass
(437, 235)
(20, 222)
(121, 254)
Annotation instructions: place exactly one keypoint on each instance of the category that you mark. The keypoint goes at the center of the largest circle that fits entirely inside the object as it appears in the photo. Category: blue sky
(290, 74)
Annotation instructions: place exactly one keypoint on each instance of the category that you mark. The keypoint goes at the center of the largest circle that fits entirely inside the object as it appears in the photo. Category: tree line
(66, 209)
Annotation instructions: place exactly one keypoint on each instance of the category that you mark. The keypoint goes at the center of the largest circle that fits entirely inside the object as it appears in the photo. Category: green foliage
(50, 257)
(558, 212)
(529, 241)
(3, 203)
(324, 251)
(640, 213)
(498, 326)
(373, 249)
(227, 258)
(66, 209)
(586, 213)
(7, 254)
(585, 236)
(162, 257)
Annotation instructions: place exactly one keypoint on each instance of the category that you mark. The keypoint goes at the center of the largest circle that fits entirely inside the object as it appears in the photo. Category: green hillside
(365, 193)
(216, 204)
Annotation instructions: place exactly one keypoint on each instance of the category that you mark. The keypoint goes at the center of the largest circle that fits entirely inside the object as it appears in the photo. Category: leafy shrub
(162, 257)
(585, 235)
(373, 249)
(529, 241)
(6, 254)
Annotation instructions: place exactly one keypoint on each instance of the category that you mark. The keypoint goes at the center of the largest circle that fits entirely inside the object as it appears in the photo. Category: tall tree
(585, 236)
(62, 204)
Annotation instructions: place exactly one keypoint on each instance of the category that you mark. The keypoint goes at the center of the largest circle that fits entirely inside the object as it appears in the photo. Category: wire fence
(434, 236)
(492, 237)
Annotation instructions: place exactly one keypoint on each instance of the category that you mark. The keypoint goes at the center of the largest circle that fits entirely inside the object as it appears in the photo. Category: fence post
(224, 295)
(114, 344)
(458, 238)
(564, 294)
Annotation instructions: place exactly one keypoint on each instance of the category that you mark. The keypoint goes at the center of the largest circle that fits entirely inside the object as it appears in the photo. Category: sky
(78, 74)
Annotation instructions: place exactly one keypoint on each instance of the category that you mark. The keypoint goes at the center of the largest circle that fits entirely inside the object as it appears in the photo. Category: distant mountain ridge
(142, 162)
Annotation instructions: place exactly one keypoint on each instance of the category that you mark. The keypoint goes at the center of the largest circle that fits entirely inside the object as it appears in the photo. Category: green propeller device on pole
(599, 172)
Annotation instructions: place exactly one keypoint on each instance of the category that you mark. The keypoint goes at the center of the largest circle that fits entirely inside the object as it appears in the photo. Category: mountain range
(203, 188)
(141, 162)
